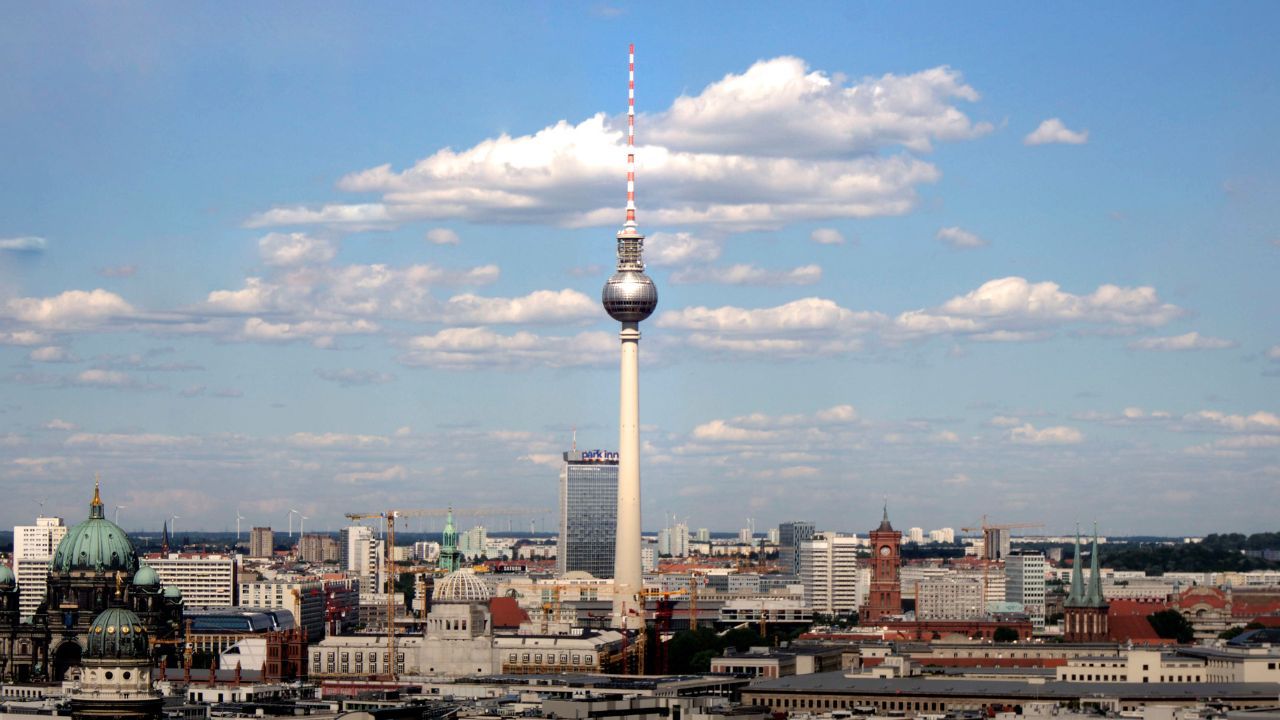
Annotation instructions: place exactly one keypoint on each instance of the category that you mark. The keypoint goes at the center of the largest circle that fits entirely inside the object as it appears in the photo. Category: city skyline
(350, 261)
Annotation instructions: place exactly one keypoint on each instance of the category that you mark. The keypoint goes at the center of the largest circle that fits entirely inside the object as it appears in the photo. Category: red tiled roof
(506, 613)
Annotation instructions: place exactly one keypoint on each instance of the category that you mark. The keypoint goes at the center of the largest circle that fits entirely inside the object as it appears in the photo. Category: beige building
(33, 548)
(206, 580)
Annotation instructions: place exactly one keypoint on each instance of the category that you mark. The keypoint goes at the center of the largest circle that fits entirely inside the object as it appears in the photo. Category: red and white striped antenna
(631, 138)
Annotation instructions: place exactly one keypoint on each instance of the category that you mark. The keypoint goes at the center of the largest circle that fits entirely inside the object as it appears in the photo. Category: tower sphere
(629, 296)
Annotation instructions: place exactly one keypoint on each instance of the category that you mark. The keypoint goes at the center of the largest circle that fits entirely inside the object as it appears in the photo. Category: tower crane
(991, 542)
(388, 517)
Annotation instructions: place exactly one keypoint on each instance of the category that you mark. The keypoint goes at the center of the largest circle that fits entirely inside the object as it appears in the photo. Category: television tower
(629, 296)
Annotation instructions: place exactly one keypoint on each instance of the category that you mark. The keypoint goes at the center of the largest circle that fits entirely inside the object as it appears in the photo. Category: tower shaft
(628, 582)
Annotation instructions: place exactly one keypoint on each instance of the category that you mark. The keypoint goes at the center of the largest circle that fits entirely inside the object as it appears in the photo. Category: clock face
(884, 551)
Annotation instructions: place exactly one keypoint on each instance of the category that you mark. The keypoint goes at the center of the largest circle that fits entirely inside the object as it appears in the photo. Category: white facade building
(1024, 583)
(205, 580)
(33, 548)
(950, 598)
(304, 598)
(829, 573)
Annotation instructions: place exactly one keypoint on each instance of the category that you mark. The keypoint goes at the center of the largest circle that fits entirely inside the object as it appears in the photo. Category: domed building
(116, 678)
(95, 568)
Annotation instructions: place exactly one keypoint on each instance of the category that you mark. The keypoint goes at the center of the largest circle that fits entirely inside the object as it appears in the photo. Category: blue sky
(1004, 260)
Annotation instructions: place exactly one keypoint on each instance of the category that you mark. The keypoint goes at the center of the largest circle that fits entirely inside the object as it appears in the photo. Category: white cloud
(260, 330)
(23, 337)
(775, 144)
(960, 239)
(1005, 421)
(103, 378)
(393, 472)
(742, 274)
(663, 249)
(1013, 304)
(1187, 341)
(351, 377)
(807, 315)
(442, 236)
(59, 424)
(1053, 131)
(24, 244)
(465, 348)
(335, 440)
(69, 310)
(289, 249)
(827, 236)
(1058, 435)
(1273, 353)
(541, 306)
(1260, 421)
(52, 354)
(959, 479)
(108, 441)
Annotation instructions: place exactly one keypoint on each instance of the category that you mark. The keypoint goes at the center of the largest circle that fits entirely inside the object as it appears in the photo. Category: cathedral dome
(461, 586)
(172, 592)
(146, 577)
(96, 544)
(117, 633)
(7, 580)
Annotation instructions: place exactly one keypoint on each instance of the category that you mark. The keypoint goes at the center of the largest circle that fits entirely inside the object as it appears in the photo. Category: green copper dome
(7, 580)
(146, 577)
(117, 633)
(172, 592)
(95, 544)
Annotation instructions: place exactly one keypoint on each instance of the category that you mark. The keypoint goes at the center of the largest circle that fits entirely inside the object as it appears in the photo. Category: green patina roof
(117, 633)
(146, 577)
(95, 544)
(6, 576)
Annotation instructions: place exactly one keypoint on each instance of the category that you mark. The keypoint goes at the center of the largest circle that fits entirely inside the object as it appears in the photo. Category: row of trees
(1224, 552)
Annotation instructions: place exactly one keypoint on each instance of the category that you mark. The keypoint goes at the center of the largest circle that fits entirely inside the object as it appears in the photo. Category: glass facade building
(588, 513)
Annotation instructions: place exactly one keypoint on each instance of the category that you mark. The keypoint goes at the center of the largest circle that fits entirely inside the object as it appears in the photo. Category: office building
(915, 535)
(473, 543)
(950, 598)
(305, 599)
(261, 542)
(829, 573)
(205, 580)
(791, 535)
(588, 513)
(33, 548)
(316, 548)
(363, 555)
(1024, 583)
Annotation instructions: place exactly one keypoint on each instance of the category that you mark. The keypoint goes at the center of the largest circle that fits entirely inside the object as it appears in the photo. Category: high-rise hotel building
(588, 512)
(33, 548)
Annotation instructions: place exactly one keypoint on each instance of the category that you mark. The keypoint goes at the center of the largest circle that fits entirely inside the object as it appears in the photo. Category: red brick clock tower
(885, 598)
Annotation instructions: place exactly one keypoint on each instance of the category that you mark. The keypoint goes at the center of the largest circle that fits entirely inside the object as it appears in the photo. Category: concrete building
(33, 548)
(829, 573)
(588, 513)
(915, 535)
(673, 541)
(950, 598)
(361, 554)
(262, 542)
(206, 580)
(1136, 666)
(473, 543)
(305, 599)
(317, 548)
(791, 536)
(1025, 584)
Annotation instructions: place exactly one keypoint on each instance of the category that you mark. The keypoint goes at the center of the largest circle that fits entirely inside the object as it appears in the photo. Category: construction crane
(992, 541)
(388, 517)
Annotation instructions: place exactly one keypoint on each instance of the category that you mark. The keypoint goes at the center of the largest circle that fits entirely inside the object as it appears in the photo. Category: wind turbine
(117, 514)
(292, 512)
(239, 517)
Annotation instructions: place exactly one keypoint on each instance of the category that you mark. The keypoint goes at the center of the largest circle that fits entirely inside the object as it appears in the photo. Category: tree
(1005, 635)
(1170, 624)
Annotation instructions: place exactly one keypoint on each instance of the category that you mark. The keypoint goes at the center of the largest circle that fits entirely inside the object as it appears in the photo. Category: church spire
(1076, 596)
(95, 505)
(1094, 597)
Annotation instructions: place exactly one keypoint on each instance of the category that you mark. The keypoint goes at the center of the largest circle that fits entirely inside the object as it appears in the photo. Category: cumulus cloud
(827, 236)
(1258, 422)
(744, 274)
(442, 236)
(1028, 434)
(24, 244)
(1015, 305)
(69, 310)
(351, 377)
(52, 354)
(541, 306)
(960, 239)
(778, 143)
(807, 315)
(288, 249)
(393, 472)
(663, 249)
(1053, 131)
(466, 348)
(23, 337)
(335, 440)
(1186, 341)
(61, 425)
